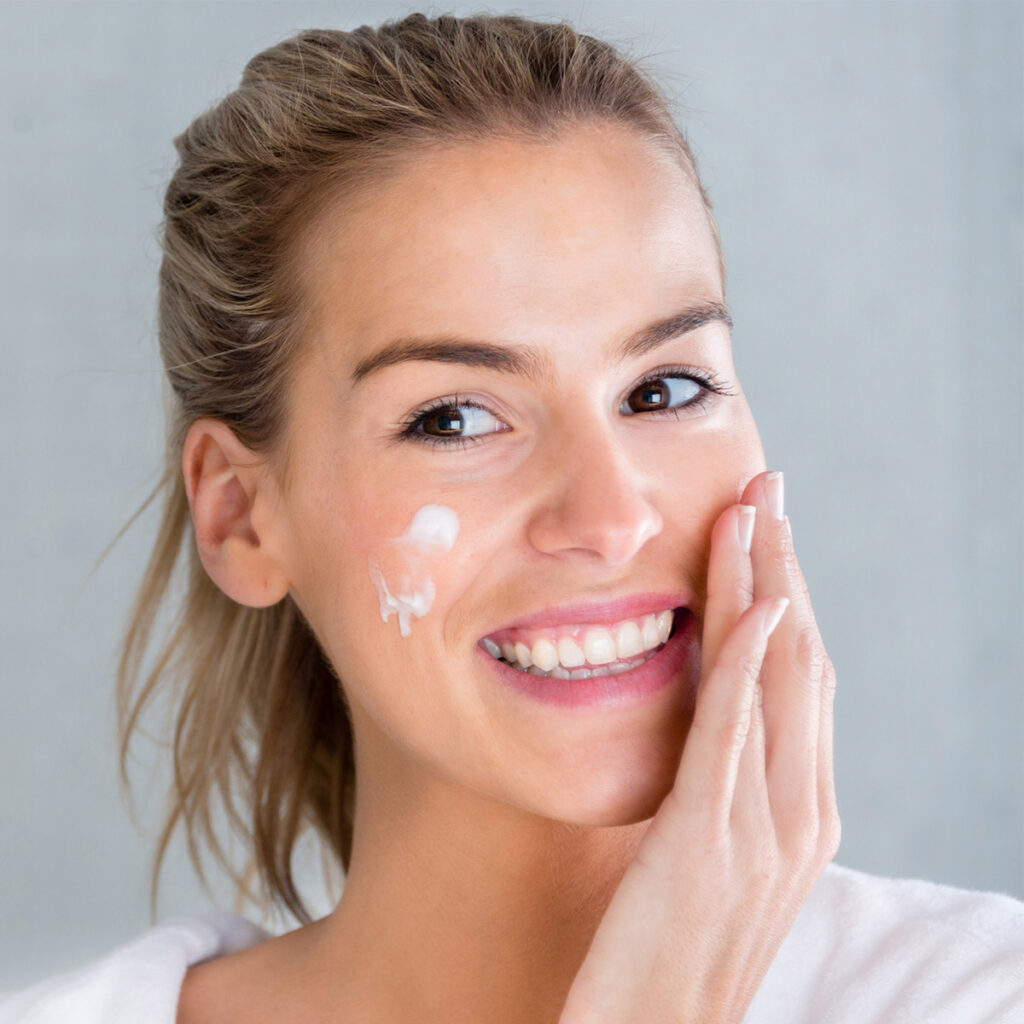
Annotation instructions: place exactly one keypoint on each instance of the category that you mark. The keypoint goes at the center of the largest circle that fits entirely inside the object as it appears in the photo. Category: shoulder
(866, 948)
(139, 981)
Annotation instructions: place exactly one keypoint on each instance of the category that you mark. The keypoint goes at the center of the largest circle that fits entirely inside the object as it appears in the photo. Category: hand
(751, 821)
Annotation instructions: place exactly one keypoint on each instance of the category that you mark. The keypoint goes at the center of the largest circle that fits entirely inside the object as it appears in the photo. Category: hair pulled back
(260, 723)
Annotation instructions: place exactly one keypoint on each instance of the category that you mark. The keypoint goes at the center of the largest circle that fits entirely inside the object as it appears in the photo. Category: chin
(628, 794)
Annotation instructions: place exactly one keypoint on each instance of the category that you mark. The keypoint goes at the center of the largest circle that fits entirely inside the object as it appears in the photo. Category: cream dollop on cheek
(399, 575)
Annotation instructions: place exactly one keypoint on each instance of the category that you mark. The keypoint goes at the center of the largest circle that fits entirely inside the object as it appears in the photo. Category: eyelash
(710, 385)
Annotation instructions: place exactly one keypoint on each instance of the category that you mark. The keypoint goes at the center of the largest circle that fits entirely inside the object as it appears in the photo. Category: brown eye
(662, 393)
(443, 423)
(455, 421)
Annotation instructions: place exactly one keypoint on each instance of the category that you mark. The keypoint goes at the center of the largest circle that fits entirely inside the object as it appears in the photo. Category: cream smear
(403, 585)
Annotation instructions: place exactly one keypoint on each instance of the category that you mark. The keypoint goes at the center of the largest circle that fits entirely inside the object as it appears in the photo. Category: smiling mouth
(584, 651)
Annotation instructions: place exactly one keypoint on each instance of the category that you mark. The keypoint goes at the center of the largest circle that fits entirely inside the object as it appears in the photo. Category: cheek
(339, 523)
(401, 568)
(706, 468)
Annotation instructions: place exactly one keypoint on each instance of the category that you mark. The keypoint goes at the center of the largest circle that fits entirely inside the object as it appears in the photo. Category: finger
(827, 810)
(793, 666)
(772, 550)
(723, 715)
(730, 578)
(751, 809)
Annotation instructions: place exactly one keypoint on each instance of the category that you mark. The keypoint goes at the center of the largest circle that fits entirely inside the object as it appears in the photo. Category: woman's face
(567, 479)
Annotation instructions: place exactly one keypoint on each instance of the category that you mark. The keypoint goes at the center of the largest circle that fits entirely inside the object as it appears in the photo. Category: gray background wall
(866, 164)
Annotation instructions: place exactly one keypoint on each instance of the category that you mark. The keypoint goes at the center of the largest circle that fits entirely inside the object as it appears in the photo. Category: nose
(595, 504)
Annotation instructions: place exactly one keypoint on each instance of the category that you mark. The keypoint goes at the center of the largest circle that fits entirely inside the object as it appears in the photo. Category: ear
(227, 484)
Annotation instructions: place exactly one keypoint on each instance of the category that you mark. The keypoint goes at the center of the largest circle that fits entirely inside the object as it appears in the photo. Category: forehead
(513, 237)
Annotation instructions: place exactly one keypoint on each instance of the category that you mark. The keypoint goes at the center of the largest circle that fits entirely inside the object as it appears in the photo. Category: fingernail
(771, 620)
(773, 485)
(745, 526)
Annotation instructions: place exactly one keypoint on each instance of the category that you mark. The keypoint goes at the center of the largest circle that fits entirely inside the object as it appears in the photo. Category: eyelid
(407, 429)
(711, 383)
(710, 386)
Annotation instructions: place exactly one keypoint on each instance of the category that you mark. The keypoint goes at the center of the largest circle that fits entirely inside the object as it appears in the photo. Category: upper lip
(614, 610)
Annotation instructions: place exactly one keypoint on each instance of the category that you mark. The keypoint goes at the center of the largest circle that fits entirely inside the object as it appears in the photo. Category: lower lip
(626, 688)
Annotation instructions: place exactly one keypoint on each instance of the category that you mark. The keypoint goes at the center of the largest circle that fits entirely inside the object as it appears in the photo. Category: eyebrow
(527, 361)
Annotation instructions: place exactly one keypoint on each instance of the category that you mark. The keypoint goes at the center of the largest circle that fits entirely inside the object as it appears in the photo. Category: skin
(492, 833)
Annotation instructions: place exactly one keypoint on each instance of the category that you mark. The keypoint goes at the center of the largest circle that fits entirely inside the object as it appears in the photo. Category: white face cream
(403, 585)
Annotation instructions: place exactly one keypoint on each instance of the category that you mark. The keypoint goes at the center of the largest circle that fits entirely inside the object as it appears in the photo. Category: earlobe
(223, 483)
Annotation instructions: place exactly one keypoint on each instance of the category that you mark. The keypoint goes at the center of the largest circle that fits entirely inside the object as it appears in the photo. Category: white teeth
(569, 653)
(586, 673)
(628, 641)
(604, 670)
(664, 625)
(649, 631)
(545, 655)
(523, 655)
(599, 646)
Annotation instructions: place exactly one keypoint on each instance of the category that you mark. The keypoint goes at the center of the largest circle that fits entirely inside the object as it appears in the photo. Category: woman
(488, 580)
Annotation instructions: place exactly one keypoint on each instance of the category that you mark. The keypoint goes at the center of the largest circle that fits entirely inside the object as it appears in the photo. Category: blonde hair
(259, 716)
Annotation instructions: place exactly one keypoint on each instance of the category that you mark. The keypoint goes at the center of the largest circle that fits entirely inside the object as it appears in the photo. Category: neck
(458, 907)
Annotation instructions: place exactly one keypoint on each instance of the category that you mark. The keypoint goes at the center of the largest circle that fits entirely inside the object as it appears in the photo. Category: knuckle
(802, 850)
(749, 665)
(718, 844)
(786, 564)
(780, 561)
(828, 677)
(758, 698)
(784, 547)
(733, 733)
(809, 653)
(727, 587)
(805, 832)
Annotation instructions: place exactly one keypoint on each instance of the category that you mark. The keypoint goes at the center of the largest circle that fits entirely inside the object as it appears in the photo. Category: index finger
(792, 673)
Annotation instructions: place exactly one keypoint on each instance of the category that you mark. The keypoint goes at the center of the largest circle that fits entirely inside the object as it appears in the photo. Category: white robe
(863, 950)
